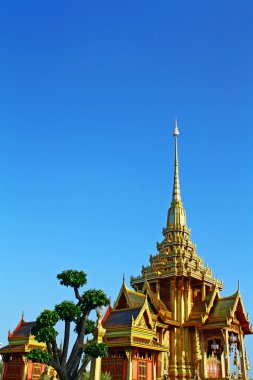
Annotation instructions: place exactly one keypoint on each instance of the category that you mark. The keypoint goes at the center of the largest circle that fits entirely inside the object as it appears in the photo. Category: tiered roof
(21, 340)
(177, 255)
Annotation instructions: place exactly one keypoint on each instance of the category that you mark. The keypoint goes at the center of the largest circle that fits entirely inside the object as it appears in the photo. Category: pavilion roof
(123, 317)
(23, 329)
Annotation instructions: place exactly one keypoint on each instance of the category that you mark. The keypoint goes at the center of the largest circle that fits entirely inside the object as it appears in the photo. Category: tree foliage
(68, 311)
(73, 278)
(68, 362)
(95, 350)
(39, 356)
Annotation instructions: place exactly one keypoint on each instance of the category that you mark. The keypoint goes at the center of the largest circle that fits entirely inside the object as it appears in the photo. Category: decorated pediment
(239, 315)
(144, 319)
(128, 298)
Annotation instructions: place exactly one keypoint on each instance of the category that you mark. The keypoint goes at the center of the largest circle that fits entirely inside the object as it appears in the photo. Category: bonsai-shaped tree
(69, 364)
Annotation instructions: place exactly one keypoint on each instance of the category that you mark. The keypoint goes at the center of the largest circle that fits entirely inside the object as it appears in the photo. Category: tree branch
(77, 294)
(55, 352)
(83, 366)
(78, 345)
(66, 343)
(49, 348)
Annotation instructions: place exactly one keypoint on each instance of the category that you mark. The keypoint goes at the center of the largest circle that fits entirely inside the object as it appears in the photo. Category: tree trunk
(63, 374)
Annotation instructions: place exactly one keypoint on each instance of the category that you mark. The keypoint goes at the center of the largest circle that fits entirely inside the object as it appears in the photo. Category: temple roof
(201, 308)
(131, 327)
(136, 299)
(229, 310)
(129, 298)
(216, 311)
(22, 330)
(121, 317)
(21, 339)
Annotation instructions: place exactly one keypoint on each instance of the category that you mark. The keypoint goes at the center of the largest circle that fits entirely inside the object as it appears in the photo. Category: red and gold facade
(16, 364)
(175, 323)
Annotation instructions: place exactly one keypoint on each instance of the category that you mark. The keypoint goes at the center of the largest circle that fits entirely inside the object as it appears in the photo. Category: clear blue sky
(88, 94)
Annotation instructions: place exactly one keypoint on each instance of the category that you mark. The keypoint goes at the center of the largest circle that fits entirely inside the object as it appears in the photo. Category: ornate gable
(144, 319)
(128, 298)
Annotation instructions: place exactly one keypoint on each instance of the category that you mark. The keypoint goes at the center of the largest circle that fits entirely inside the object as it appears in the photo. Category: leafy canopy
(68, 311)
(39, 356)
(95, 350)
(68, 362)
(93, 298)
(73, 278)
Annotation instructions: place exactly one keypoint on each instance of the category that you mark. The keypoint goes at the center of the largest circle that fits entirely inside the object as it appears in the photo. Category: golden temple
(175, 324)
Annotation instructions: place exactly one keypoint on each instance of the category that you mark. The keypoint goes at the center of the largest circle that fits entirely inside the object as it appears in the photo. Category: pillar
(154, 366)
(173, 354)
(227, 354)
(242, 356)
(95, 368)
(129, 375)
(173, 298)
(203, 354)
(157, 289)
(26, 363)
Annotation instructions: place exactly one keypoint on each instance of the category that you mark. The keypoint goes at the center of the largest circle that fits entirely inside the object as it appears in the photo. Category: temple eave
(185, 273)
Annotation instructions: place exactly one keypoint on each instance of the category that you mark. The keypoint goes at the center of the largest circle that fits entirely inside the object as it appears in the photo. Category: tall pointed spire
(176, 196)
(176, 212)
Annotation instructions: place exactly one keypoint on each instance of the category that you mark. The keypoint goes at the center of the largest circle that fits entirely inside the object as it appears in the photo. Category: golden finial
(176, 186)
(176, 213)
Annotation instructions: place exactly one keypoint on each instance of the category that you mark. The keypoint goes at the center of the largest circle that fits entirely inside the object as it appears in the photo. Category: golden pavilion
(174, 323)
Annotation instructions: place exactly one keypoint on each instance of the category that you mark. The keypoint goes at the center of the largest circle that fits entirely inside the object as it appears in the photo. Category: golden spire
(176, 212)
(176, 196)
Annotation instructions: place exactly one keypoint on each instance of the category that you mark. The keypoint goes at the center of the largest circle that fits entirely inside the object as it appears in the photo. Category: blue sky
(88, 95)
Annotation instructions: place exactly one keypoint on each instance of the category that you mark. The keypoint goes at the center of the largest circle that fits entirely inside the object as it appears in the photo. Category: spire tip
(176, 131)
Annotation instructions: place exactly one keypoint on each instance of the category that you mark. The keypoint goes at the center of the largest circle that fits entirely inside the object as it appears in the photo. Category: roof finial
(23, 314)
(123, 278)
(176, 196)
(176, 131)
(238, 286)
(176, 212)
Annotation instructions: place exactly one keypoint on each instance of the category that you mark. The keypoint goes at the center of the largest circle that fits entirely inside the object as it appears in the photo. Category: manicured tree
(69, 362)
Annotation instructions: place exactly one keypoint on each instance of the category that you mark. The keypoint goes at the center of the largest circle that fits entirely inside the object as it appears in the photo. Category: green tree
(69, 363)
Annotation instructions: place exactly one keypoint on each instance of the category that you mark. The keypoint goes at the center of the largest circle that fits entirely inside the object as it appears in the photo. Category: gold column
(187, 340)
(129, 365)
(180, 348)
(154, 368)
(203, 292)
(95, 368)
(181, 292)
(157, 289)
(173, 298)
(189, 294)
(25, 367)
(173, 354)
(242, 356)
(227, 357)
(203, 354)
